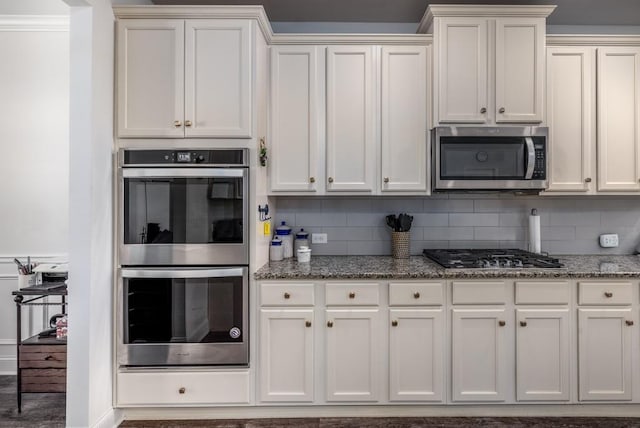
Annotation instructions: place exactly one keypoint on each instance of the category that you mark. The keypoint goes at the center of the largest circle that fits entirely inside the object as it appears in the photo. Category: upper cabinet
(349, 119)
(489, 63)
(184, 78)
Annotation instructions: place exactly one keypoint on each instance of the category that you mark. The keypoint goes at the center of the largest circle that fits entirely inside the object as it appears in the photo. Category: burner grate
(491, 259)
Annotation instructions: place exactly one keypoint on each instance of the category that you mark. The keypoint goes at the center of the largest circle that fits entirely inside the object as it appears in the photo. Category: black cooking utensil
(405, 222)
(392, 222)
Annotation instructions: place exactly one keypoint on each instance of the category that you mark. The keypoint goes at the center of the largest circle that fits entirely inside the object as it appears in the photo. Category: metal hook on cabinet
(264, 212)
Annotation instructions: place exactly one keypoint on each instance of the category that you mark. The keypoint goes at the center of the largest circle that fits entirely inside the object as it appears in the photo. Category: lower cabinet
(286, 355)
(416, 366)
(604, 349)
(542, 354)
(353, 354)
(479, 369)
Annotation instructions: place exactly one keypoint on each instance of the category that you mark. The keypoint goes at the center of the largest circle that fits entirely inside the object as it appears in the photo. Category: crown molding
(593, 40)
(34, 23)
(351, 39)
(494, 11)
(198, 12)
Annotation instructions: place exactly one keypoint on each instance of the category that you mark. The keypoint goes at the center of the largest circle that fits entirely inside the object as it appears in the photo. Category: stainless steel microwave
(469, 158)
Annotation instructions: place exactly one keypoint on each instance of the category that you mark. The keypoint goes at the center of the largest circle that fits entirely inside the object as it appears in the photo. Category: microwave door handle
(531, 158)
(183, 273)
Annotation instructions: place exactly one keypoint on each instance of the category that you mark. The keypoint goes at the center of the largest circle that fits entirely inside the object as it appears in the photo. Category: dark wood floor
(38, 410)
(394, 423)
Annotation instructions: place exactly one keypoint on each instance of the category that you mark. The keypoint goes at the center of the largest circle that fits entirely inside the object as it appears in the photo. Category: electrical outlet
(609, 240)
(318, 238)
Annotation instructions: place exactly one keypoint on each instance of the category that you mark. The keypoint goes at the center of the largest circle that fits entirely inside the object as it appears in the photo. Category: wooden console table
(42, 361)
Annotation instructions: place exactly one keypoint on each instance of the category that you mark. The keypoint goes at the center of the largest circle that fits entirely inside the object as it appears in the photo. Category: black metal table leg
(18, 299)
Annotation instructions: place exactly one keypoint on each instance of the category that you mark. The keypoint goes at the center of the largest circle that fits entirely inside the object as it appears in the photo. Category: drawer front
(286, 294)
(416, 293)
(182, 388)
(479, 292)
(43, 380)
(604, 293)
(543, 292)
(352, 294)
(43, 356)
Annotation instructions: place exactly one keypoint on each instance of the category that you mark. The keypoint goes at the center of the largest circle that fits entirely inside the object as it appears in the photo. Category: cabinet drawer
(43, 380)
(183, 388)
(542, 292)
(604, 293)
(352, 294)
(479, 292)
(415, 293)
(286, 294)
(43, 356)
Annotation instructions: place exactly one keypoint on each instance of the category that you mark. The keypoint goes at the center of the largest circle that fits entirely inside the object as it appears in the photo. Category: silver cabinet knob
(312, 179)
(501, 110)
(386, 179)
(177, 123)
(187, 123)
(330, 180)
(587, 180)
(483, 110)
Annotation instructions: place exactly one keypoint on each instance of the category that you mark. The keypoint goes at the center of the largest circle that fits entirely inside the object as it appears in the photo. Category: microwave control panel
(540, 168)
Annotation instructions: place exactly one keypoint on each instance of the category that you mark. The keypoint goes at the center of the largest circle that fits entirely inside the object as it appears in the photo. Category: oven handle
(183, 172)
(183, 273)
(531, 157)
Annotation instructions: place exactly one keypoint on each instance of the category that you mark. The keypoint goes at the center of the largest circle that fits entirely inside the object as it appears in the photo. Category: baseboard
(8, 366)
(111, 419)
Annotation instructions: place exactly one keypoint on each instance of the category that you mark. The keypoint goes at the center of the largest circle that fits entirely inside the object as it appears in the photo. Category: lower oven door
(173, 316)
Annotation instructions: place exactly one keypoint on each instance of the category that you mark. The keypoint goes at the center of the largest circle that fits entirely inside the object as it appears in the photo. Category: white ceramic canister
(304, 254)
(284, 233)
(302, 240)
(276, 250)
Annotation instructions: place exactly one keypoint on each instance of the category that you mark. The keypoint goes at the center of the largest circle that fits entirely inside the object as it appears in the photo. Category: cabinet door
(478, 370)
(604, 351)
(294, 118)
(218, 78)
(519, 69)
(351, 144)
(619, 119)
(404, 119)
(150, 57)
(542, 354)
(415, 355)
(571, 85)
(286, 355)
(461, 80)
(353, 354)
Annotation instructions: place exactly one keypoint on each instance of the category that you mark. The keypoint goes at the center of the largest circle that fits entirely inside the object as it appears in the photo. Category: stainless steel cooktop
(492, 259)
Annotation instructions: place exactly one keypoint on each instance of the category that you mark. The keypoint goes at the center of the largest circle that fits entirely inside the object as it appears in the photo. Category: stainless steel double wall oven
(184, 255)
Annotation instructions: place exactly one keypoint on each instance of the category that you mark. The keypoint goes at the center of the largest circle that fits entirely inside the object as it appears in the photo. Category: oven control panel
(221, 157)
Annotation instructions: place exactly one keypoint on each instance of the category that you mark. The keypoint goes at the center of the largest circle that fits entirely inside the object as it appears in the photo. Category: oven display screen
(184, 157)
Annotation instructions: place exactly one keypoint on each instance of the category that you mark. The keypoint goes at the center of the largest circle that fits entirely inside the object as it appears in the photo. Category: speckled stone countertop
(419, 267)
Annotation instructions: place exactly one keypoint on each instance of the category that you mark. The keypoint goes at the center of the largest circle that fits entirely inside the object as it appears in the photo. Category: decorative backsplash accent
(569, 225)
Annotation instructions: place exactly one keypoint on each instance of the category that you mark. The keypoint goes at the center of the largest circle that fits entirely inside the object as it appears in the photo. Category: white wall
(34, 84)
(33, 7)
(89, 353)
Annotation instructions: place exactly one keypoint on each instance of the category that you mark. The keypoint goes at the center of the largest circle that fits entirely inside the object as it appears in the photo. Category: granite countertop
(419, 267)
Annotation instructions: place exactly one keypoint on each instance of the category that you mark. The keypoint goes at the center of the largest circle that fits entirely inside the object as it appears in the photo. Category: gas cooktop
(492, 259)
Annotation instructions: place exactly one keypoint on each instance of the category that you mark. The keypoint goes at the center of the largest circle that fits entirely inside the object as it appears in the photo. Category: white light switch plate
(609, 240)
(318, 238)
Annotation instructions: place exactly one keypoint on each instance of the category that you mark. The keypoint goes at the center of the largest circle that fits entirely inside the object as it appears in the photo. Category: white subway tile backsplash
(570, 225)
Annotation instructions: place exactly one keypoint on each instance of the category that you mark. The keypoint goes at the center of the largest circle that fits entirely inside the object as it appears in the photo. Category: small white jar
(276, 250)
(304, 254)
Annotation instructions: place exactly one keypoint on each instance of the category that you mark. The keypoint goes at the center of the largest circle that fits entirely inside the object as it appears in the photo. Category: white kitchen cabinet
(351, 124)
(605, 353)
(404, 129)
(416, 354)
(542, 354)
(618, 119)
(571, 109)
(489, 70)
(353, 355)
(184, 78)
(479, 356)
(295, 95)
(286, 355)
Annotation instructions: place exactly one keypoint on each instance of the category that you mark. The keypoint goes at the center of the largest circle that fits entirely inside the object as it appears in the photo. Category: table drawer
(286, 294)
(416, 293)
(604, 293)
(352, 294)
(43, 380)
(542, 292)
(479, 292)
(43, 356)
(183, 388)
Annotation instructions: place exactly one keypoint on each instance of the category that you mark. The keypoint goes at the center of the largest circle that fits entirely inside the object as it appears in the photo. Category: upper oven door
(493, 161)
(183, 216)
